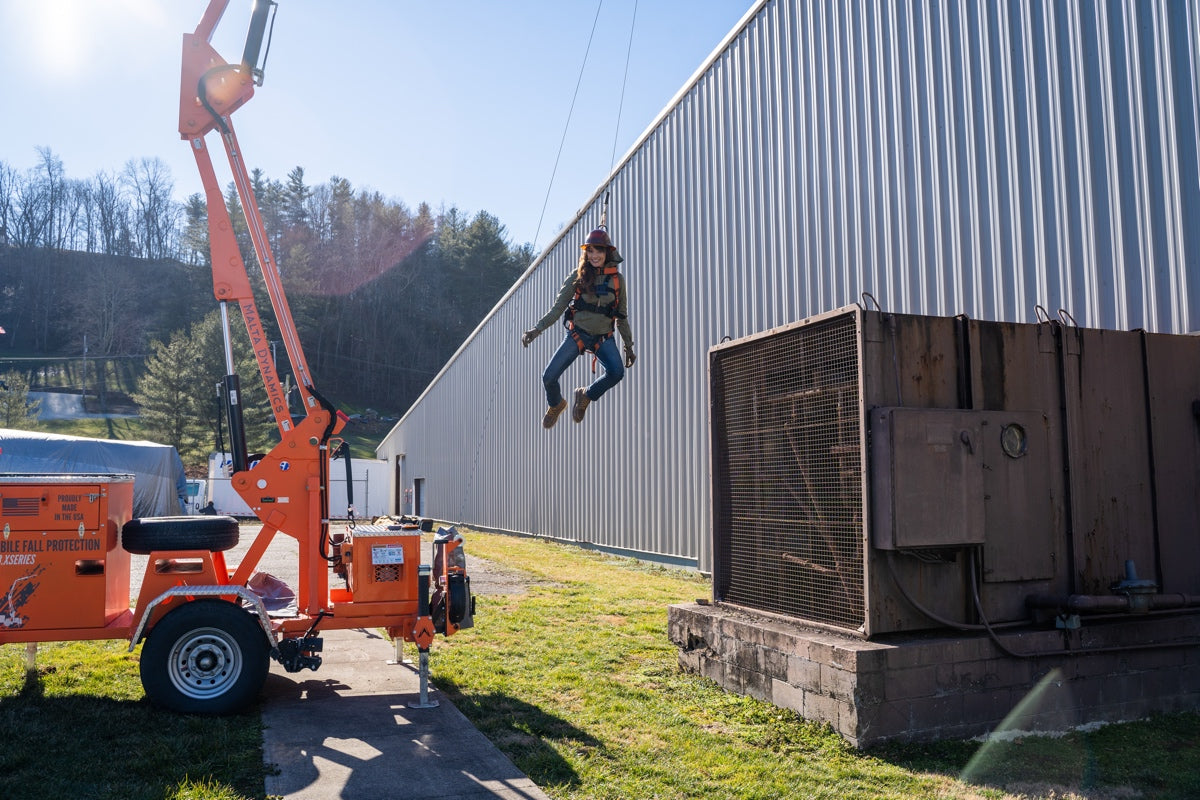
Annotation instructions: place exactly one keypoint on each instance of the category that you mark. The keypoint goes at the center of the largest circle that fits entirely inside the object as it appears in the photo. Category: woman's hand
(528, 336)
(629, 357)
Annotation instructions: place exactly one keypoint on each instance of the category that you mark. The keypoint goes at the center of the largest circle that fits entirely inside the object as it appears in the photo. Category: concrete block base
(949, 684)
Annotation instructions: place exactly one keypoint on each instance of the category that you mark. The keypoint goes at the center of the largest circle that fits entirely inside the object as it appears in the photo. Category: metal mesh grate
(788, 494)
(387, 573)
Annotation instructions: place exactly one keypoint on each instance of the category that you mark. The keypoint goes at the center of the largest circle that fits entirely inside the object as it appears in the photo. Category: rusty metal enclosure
(884, 472)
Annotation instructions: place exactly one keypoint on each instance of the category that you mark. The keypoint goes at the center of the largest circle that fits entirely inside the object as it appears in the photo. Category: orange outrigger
(67, 539)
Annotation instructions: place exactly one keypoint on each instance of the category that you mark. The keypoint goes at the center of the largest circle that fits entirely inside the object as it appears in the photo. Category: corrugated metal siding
(976, 158)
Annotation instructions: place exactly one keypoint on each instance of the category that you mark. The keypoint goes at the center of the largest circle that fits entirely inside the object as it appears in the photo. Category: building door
(418, 497)
(400, 494)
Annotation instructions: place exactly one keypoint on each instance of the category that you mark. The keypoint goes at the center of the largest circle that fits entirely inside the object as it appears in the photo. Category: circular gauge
(1013, 440)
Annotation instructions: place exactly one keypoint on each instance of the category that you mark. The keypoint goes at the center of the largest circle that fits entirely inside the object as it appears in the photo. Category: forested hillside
(382, 293)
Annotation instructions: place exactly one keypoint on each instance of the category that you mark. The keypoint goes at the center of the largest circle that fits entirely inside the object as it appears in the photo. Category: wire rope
(624, 80)
(570, 113)
(499, 370)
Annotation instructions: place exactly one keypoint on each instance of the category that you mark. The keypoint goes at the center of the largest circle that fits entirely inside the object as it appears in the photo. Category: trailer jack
(297, 654)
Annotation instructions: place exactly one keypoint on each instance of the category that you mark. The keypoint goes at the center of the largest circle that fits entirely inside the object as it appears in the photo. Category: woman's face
(597, 255)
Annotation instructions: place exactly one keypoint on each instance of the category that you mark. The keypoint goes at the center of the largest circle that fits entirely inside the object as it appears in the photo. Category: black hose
(991, 629)
(202, 92)
(1066, 651)
(912, 601)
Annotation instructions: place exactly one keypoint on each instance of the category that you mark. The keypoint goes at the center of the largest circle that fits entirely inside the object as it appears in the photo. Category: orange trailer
(63, 571)
(208, 636)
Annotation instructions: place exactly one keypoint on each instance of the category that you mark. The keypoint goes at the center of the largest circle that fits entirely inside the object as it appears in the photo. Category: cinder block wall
(926, 688)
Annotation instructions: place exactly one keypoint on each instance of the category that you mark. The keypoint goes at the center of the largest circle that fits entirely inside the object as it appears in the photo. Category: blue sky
(453, 102)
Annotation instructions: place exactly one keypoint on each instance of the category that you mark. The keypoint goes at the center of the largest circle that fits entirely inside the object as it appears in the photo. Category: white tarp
(372, 488)
(159, 484)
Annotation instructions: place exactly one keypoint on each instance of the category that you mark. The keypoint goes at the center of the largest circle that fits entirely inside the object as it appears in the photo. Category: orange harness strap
(570, 315)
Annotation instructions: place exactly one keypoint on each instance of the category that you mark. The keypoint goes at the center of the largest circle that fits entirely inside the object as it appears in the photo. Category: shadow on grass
(525, 733)
(104, 749)
(32, 690)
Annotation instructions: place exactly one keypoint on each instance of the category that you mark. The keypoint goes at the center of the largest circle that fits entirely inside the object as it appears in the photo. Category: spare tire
(149, 534)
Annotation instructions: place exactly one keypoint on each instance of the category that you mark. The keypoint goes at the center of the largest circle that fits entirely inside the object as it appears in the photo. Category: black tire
(460, 598)
(148, 534)
(205, 657)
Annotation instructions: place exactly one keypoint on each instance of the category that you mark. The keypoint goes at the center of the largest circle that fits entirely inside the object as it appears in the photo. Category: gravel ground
(282, 561)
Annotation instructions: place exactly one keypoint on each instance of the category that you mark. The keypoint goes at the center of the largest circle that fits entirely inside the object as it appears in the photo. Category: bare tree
(39, 209)
(30, 214)
(49, 174)
(317, 212)
(102, 310)
(66, 217)
(112, 212)
(8, 188)
(155, 215)
(85, 237)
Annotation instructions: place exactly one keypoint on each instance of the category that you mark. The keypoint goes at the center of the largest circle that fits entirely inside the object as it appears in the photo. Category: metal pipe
(1101, 604)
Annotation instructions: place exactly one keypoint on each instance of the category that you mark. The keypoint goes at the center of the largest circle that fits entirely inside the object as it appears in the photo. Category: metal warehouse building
(1002, 160)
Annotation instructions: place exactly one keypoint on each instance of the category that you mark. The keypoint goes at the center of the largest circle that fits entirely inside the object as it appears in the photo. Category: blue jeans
(568, 351)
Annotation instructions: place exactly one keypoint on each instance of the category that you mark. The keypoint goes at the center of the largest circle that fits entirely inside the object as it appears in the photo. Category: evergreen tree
(178, 394)
(17, 410)
(296, 195)
(341, 211)
(165, 395)
(193, 243)
(261, 432)
(237, 220)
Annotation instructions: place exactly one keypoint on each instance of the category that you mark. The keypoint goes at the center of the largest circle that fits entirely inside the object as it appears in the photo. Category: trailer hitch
(300, 653)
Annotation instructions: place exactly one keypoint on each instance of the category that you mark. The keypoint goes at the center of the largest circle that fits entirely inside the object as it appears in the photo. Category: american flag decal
(19, 507)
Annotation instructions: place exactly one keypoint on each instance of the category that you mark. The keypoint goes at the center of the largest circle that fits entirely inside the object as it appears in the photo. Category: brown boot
(580, 405)
(552, 414)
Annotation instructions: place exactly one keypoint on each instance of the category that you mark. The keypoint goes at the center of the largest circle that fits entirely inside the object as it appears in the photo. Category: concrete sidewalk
(346, 732)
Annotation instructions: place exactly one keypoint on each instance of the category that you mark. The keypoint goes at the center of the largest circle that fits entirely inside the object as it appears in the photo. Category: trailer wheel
(205, 657)
(148, 534)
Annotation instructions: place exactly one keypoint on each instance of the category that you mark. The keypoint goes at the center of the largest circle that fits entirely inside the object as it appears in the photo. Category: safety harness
(609, 310)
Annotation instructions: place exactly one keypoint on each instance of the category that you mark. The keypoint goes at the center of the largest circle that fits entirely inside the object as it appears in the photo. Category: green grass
(363, 442)
(80, 727)
(124, 429)
(576, 682)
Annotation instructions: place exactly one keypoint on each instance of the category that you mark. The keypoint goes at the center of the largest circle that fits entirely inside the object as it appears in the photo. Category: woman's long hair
(585, 274)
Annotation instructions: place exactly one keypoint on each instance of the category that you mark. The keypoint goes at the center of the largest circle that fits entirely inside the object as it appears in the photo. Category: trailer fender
(248, 598)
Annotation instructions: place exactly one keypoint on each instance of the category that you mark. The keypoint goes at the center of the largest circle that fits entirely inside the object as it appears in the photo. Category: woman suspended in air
(593, 301)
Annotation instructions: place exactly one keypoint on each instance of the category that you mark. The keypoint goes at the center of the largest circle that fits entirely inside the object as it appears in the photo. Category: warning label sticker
(387, 554)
